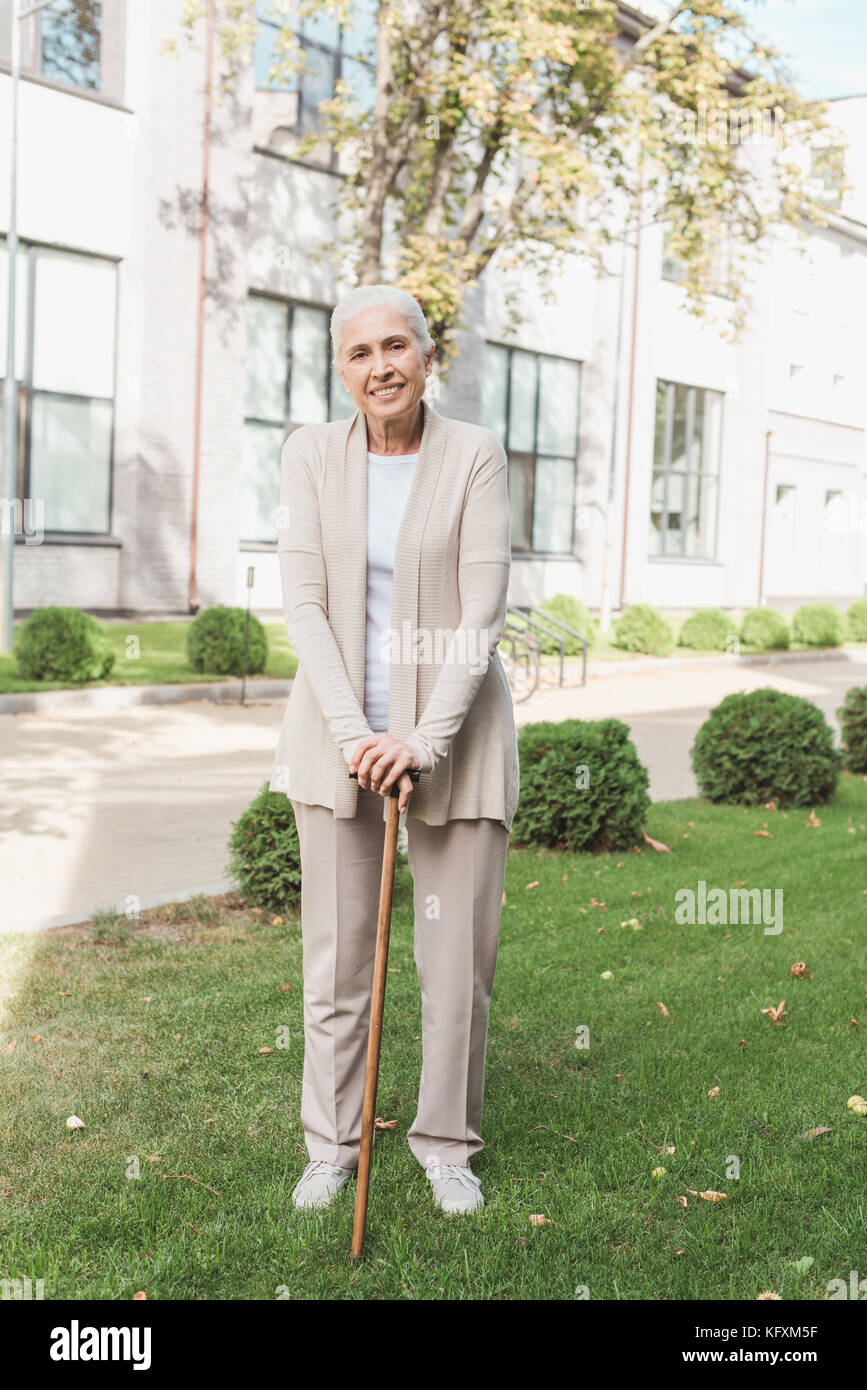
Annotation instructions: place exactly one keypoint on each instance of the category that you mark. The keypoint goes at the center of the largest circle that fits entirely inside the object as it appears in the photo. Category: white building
(739, 471)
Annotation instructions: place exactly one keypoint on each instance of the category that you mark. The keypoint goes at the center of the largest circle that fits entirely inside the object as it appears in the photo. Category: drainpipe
(761, 602)
(200, 326)
(629, 404)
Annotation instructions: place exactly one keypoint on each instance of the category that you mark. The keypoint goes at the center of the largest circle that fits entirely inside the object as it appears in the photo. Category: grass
(151, 1033)
(154, 654)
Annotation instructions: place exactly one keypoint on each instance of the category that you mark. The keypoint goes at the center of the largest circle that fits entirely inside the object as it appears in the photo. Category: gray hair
(368, 296)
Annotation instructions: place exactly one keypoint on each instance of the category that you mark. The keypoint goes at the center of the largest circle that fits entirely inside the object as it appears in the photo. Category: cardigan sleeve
(305, 610)
(484, 562)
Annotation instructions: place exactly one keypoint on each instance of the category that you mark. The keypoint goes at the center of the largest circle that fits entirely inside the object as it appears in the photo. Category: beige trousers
(458, 872)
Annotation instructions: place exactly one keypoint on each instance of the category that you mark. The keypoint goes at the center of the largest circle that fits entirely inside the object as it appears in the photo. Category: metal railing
(533, 620)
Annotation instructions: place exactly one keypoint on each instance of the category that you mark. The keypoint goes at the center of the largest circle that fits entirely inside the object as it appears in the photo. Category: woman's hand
(380, 761)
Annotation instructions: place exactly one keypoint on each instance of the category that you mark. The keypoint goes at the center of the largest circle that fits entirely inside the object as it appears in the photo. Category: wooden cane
(377, 1001)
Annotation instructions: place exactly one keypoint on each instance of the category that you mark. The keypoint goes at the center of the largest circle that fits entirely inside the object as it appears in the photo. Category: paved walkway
(107, 807)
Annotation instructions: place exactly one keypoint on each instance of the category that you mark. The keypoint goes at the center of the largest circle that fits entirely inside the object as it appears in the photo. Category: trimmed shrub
(215, 642)
(856, 620)
(852, 715)
(582, 786)
(62, 644)
(763, 746)
(265, 856)
(707, 630)
(818, 625)
(765, 629)
(572, 611)
(643, 629)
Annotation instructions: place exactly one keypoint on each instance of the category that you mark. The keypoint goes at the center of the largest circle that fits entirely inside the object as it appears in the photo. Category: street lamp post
(7, 521)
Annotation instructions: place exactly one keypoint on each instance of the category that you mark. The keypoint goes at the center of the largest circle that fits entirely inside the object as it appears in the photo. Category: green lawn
(152, 1036)
(154, 654)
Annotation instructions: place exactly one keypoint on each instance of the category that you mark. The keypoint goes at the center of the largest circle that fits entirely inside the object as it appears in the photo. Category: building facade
(650, 460)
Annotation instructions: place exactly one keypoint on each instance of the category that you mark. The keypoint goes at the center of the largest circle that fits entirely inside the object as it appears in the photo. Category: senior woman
(394, 545)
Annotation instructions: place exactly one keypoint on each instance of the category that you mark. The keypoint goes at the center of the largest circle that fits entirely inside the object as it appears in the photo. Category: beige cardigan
(449, 698)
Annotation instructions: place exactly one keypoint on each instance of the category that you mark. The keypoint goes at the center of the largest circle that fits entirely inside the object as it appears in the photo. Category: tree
(517, 128)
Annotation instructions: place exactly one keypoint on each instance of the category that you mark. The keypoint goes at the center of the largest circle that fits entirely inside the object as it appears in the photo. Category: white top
(389, 477)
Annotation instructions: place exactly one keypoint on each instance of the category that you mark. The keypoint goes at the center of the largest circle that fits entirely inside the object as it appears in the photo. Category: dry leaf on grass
(656, 844)
(857, 1104)
(714, 1092)
(263, 1051)
(776, 1014)
(660, 1005)
(384, 1124)
(814, 1133)
(537, 1219)
(140, 1295)
(814, 821)
(766, 834)
(767, 1296)
(800, 970)
(683, 1202)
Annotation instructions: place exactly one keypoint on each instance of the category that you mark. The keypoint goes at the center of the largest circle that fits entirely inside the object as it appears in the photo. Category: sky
(824, 41)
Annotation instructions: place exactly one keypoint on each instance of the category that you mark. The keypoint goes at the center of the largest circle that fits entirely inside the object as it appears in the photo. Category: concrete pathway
(105, 808)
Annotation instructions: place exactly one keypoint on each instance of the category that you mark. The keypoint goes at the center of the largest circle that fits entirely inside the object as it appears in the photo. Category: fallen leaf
(814, 821)
(660, 1005)
(140, 1295)
(11, 1046)
(539, 1220)
(683, 1202)
(814, 1133)
(853, 1023)
(263, 1051)
(766, 833)
(710, 1196)
(281, 989)
(534, 884)
(767, 1296)
(800, 969)
(74, 1122)
(714, 1092)
(384, 1124)
(770, 805)
(658, 1173)
(776, 1014)
(858, 1104)
(678, 1252)
(36, 1037)
(276, 921)
(656, 844)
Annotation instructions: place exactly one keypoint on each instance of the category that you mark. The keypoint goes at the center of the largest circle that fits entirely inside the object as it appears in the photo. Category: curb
(21, 926)
(124, 696)
(229, 692)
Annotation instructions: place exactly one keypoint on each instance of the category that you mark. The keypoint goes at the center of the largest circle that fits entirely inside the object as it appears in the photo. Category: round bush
(643, 629)
(765, 629)
(265, 856)
(763, 746)
(215, 643)
(856, 620)
(582, 786)
(572, 611)
(707, 630)
(818, 625)
(853, 727)
(62, 644)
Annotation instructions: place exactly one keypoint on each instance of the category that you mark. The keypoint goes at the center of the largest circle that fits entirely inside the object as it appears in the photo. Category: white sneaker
(456, 1189)
(319, 1184)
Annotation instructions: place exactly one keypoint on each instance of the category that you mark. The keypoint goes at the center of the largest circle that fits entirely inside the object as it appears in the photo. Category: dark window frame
(510, 349)
(337, 55)
(26, 392)
(688, 473)
(288, 425)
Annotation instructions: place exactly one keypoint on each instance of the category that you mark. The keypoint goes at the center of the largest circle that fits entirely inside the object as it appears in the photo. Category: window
(332, 53)
(530, 400)
(686, 456)
(826, 174)
(289, 382)
(674, 269)
(64, 368)
(74, 42)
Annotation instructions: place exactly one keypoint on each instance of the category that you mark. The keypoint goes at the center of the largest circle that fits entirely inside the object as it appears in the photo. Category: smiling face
(381, 365)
